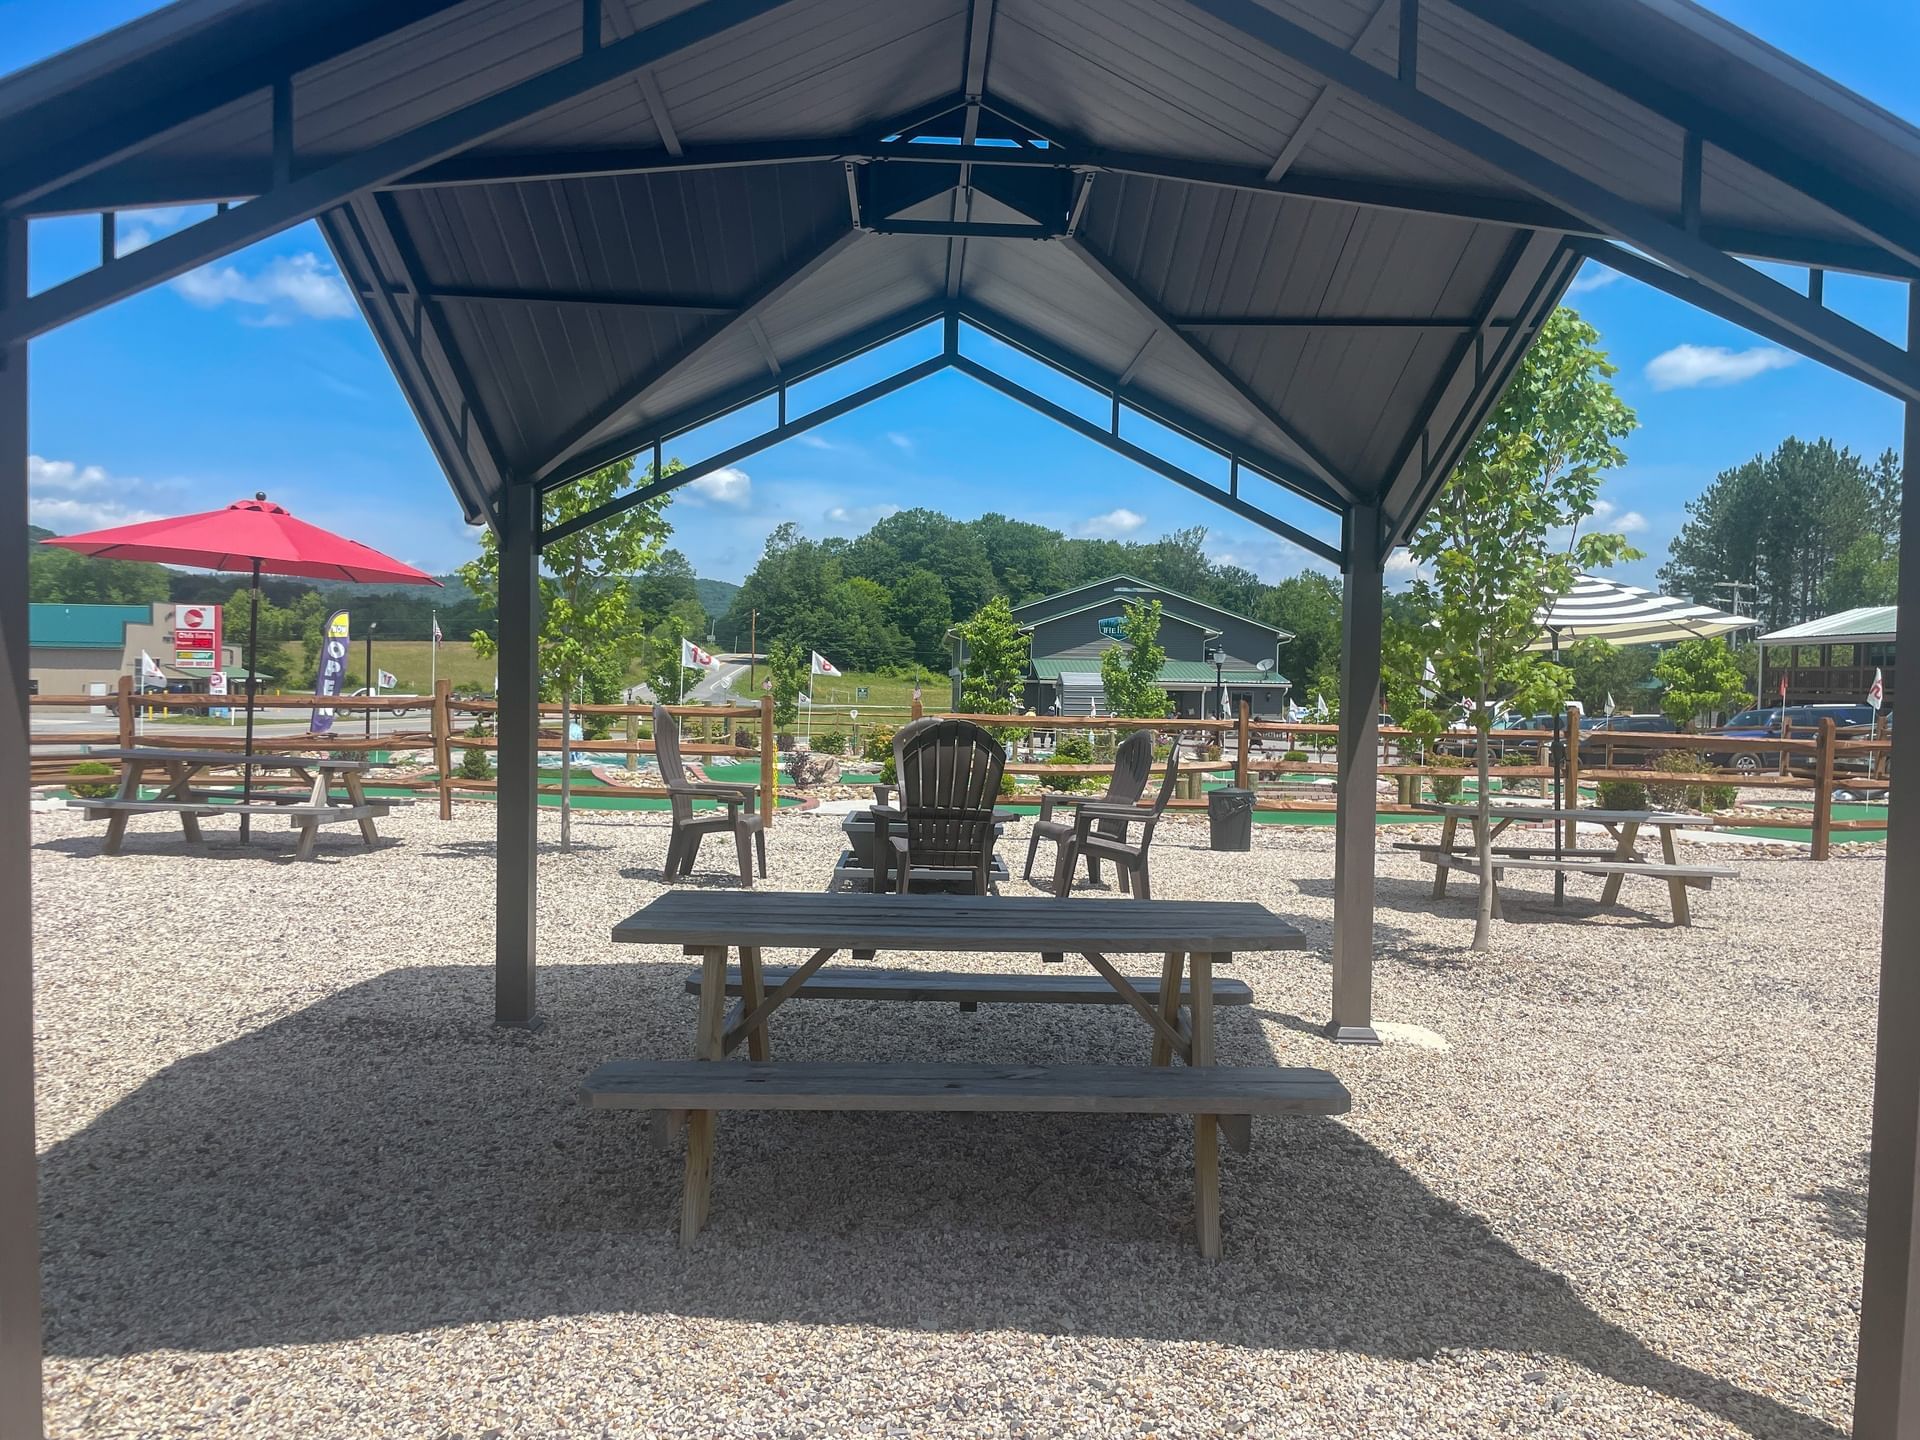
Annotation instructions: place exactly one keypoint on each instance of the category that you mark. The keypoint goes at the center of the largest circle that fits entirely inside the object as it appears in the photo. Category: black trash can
(1230, 819)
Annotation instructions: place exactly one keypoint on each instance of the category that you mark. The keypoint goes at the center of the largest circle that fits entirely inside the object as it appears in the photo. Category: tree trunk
(1483, 826)
(566, 770)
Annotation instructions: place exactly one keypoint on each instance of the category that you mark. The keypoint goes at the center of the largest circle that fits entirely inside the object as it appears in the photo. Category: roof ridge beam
(1598, 206)
(1148, 309)
(581, 434)
(311, 194)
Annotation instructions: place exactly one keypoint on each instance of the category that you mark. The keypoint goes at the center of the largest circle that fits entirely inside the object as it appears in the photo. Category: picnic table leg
(1170, 970)
(1206, 1128)
(130, 773)
(1622, 850)
(1447, 829)
(699, 1180)
(358, 796)
(1677, 888)
(180, 789)
(752, 991)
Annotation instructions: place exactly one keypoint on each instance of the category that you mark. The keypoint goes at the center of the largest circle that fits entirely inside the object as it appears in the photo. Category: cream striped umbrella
(1628, 615)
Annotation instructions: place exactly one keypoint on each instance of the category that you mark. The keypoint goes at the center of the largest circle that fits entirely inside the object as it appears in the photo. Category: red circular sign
(196, 618)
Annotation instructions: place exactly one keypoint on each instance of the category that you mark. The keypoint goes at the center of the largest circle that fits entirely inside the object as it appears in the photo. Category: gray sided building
(1069, 632)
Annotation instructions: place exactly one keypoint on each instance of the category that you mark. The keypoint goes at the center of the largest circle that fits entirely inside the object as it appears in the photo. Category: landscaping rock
(808, 770)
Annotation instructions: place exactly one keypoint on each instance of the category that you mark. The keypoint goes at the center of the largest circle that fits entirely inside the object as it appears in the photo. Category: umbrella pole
(1559, 775)
(253, 654)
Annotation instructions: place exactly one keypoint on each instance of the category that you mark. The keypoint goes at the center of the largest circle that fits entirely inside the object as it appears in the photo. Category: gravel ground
(1604, 1181)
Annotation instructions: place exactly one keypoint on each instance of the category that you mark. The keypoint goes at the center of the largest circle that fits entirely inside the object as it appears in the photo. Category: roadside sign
(853, 714)
(196, 637)
(217, 683)
(859, 692)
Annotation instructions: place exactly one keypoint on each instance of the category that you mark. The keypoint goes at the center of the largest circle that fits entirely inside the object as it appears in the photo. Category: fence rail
(1246, 748)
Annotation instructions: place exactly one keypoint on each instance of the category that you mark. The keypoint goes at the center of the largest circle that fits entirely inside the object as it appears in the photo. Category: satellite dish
(1264, 665)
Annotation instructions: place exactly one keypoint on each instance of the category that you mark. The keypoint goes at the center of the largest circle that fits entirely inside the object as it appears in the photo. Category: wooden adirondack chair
(1131, 764)
(949, 780)
(1129, 858)
(690, 826)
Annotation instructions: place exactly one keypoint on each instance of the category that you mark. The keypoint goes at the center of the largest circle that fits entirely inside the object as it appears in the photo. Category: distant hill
(716, 597)
(37, 533)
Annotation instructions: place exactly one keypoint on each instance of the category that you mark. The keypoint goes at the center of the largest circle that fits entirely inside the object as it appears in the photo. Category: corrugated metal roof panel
(1870, 623)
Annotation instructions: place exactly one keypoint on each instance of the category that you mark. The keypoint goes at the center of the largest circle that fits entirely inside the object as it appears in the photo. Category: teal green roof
(1174, 672)
(1869, 624)
(83, 627)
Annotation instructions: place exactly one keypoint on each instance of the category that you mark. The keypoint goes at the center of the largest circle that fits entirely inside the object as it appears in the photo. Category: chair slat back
(1131, 764)
(949, 772)
(1167, 780)
(666, 748)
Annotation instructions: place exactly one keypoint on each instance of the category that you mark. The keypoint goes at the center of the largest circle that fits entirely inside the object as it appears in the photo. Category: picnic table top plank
(959, 923)
(259, 759)
(856, 1085)
(1545, 812)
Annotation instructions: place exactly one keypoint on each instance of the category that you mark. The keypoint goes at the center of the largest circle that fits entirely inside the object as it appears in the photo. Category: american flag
(436, 627)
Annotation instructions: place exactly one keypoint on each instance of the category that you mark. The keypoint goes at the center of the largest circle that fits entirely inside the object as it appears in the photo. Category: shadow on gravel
(388, 1161)
(272, 844)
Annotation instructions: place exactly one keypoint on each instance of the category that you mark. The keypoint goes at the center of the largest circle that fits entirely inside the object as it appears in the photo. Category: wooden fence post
(915, 710)
(1786, 733)
(442, 721)
(1572, 742)
(769, 764)
(1243, 737)
(1823, 790)
(123, 708)
(633, 738)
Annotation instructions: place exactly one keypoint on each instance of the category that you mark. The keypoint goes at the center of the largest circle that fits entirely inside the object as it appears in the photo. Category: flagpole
(433, 654)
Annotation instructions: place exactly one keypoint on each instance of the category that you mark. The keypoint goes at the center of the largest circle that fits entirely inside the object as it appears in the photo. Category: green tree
(788, 668)
(1130, 671)
(666, 583)
(1815, 526)
(922, 611)
(995, 656)
(1488, 549)
(667, 678)
(1307, 606)
(1600, 670)
(66, 577)
(590, 629)
(1699, 676)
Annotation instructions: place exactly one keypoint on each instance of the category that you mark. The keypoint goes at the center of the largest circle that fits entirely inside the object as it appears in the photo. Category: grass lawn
(411, 663)
(885, 694)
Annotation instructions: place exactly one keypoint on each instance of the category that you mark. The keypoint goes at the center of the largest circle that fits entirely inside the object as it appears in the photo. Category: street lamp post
(372, 625)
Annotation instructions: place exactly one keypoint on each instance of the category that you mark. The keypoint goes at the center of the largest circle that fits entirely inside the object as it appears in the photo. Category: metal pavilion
(1313, 236)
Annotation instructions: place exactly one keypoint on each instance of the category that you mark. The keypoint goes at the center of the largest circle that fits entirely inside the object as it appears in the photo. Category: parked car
(394, 695)
(1750, 726)
(1613, 734)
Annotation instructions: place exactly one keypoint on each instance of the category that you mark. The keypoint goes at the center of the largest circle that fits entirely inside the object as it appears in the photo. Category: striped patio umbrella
(1628, 615)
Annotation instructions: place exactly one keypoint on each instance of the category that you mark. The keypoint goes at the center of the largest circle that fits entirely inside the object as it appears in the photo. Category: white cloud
(1687, 366)
(67, 498)
(730, 486)
(859, 516)
(1609, 516)
(1401, 567)
(900, 441)
(1113, 524)
(1593, 277)
(815, 441)
(286, 285)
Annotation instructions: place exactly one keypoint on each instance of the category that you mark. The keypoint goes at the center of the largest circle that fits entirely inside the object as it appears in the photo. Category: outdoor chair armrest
(1050, 798)
(718, 790)
(1086, 814)
(886, 812)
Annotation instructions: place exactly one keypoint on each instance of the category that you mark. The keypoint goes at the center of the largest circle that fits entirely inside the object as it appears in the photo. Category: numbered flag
(386, 681)
(692, 656)
(1877, 693)
(437, 636)
(822, 665)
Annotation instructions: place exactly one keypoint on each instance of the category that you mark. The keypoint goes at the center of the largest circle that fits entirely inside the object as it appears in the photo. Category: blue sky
(258, 373)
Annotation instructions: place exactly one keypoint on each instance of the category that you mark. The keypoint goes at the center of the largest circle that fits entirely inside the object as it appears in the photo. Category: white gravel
(1604, 1181)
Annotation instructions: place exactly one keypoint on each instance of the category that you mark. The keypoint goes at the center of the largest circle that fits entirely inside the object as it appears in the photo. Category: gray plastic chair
(1129, 858)
(948, 772)
(690, 826)
(1131, 765)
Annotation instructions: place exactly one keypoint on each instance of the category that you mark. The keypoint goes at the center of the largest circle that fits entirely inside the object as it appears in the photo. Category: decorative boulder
(809, 770)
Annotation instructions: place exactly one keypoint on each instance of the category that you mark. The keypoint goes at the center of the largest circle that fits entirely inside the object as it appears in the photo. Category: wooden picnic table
(1190, 936)
(1615, 863)
(190, 791)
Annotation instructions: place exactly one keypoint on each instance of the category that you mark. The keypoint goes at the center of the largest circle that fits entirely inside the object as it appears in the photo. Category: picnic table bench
(1616, 864)
(193, 793)
(1190, 936)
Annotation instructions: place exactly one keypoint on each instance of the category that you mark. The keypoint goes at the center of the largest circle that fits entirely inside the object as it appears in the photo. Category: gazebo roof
(1867, 624)
(1231, 217)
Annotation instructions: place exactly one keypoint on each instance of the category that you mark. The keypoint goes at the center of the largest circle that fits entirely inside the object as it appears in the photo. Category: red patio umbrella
(256, 537)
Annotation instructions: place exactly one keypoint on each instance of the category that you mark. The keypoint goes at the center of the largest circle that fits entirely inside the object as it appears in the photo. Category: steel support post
(516, 813)
(19, 1171)
(1359, 769)
(1886, 1399)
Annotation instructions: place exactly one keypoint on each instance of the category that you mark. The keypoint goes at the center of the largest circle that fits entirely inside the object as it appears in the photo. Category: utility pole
(1733, 588)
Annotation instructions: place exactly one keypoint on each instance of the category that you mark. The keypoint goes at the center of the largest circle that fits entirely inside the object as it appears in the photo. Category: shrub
(1007, 783)
(1071, 750)
(1621, 795)
(879, 745)
(1674, 796)
(831, 743)
(1295, 757)
(1520, 784)
(91, 789)
(1446, 788)
(473, 760)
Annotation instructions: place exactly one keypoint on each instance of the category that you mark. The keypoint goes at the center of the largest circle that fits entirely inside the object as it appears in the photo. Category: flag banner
(822, 665)
(333, 669)
(1783, 689)
(1609, 702)
(438, 638)
(150, 673)
(693, 657)
(1877, 694)
(386, 681)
